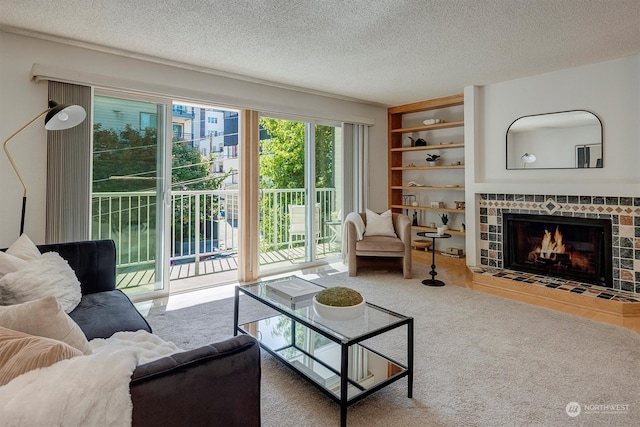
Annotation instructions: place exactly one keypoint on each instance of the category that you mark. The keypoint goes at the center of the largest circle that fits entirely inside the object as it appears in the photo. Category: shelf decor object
(339, 303)
(59, 117)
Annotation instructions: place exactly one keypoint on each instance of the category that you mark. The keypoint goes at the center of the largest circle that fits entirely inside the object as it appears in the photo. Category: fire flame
(551, 245)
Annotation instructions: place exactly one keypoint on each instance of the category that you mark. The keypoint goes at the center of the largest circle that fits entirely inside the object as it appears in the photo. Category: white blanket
(88, 390)
(356, 219)
(359, 223)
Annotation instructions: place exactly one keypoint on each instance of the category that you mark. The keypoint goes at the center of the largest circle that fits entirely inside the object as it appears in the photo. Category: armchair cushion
(379, 224)
(375, 245)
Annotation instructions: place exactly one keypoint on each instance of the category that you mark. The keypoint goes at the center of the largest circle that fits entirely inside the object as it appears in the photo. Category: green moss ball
(339, 297)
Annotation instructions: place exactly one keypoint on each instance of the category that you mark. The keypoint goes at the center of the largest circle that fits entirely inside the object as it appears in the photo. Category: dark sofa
(103, 310)
(218, 384)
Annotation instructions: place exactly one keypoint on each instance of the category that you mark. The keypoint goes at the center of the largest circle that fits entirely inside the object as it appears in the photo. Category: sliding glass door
(128, 187)
(300, 183)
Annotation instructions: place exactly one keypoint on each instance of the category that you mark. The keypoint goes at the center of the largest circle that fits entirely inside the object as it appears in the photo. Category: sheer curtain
(68, 215)
(356, 154)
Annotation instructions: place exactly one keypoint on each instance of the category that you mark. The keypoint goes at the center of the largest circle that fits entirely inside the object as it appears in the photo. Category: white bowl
(330, 312)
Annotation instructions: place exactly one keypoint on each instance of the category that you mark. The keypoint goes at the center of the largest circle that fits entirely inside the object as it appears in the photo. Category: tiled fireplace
(623, 213)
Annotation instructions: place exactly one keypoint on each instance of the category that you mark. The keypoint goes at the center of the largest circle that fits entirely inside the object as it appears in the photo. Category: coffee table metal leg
(410, 359)
(344, 373)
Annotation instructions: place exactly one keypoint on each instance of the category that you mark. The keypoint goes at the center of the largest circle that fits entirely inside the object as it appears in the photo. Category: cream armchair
(381, 251)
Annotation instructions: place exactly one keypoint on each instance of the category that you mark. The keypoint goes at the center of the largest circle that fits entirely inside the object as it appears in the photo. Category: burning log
(553, 252)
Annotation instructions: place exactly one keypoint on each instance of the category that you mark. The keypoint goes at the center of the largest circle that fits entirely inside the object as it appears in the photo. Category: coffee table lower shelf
(365, 370)
(324, 370)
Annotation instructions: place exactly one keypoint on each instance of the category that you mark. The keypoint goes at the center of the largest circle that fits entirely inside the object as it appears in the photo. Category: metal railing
(204, 223)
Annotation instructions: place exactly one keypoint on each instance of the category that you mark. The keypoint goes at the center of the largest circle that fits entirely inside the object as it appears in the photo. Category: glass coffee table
(341, 358)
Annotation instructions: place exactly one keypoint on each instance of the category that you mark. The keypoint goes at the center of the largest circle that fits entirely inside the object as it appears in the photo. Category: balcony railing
(204, 223)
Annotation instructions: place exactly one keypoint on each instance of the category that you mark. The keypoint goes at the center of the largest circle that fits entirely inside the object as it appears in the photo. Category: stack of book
(293, 291)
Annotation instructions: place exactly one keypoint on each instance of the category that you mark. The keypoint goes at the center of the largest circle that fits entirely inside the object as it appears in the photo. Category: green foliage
(126, 161)
(282, 162)
(190, 170)
(339, 296)
(282, 156)
(131, 154)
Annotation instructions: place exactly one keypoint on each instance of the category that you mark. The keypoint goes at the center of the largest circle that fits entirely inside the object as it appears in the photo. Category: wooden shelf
(431, 104)
(424, 168)
(430, 147)
(437, 126)
(402, 120)
(426, 188)
(428, 208)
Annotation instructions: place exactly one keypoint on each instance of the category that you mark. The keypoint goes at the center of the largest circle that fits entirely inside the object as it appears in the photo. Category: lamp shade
(61, 116)
(528, 158)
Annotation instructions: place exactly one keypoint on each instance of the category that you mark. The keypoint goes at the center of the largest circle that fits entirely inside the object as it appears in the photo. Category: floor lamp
(59, 117)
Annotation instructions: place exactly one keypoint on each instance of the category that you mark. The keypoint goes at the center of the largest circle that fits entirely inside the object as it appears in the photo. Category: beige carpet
(480, 360)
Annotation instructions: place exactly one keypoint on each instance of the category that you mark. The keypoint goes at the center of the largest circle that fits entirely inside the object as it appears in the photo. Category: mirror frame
(575, 145)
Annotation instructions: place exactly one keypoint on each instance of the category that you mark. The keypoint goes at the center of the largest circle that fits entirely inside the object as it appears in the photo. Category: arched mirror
(563, 140)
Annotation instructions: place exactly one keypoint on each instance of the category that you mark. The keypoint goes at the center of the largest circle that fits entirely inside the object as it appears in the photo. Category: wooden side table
(433, 273)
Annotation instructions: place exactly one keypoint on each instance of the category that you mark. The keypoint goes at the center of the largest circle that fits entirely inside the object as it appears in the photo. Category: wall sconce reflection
(528, 158)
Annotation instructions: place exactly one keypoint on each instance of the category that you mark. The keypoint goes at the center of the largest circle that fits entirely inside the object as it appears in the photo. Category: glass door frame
(161, 285)
(310, 247)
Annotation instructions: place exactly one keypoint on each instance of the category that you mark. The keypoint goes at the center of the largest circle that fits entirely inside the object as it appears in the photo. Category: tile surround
(572, 286)
(624, 213)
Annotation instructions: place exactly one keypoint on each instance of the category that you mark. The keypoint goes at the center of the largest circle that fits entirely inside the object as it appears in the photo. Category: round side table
(433, 273)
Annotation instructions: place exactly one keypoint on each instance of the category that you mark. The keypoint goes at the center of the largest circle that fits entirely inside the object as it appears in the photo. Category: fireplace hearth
(573, 248)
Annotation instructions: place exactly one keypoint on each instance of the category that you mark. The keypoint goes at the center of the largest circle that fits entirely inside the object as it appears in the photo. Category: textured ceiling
(382, 51)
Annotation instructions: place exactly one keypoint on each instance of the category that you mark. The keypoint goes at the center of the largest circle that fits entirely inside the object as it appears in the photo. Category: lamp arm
(4, 146)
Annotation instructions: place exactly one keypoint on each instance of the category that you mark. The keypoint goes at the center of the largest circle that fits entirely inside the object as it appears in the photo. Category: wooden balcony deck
(219, 269)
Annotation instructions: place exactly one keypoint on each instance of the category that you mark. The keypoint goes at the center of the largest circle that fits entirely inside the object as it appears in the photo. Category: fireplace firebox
(568, 247)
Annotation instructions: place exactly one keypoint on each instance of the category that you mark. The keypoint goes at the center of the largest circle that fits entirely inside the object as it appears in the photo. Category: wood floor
(223, 266)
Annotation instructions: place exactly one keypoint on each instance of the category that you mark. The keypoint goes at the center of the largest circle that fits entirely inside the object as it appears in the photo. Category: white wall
(609, 89)
(25, 98)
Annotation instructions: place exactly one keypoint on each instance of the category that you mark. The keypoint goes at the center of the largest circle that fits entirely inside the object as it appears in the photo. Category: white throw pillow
(49, 275)
(380, 225)
(10, 263)
(45, 318)
(24, 248)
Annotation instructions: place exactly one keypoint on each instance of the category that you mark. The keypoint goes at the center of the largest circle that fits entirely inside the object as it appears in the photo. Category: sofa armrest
(352, 237)
(402, 226)
(217, 384)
